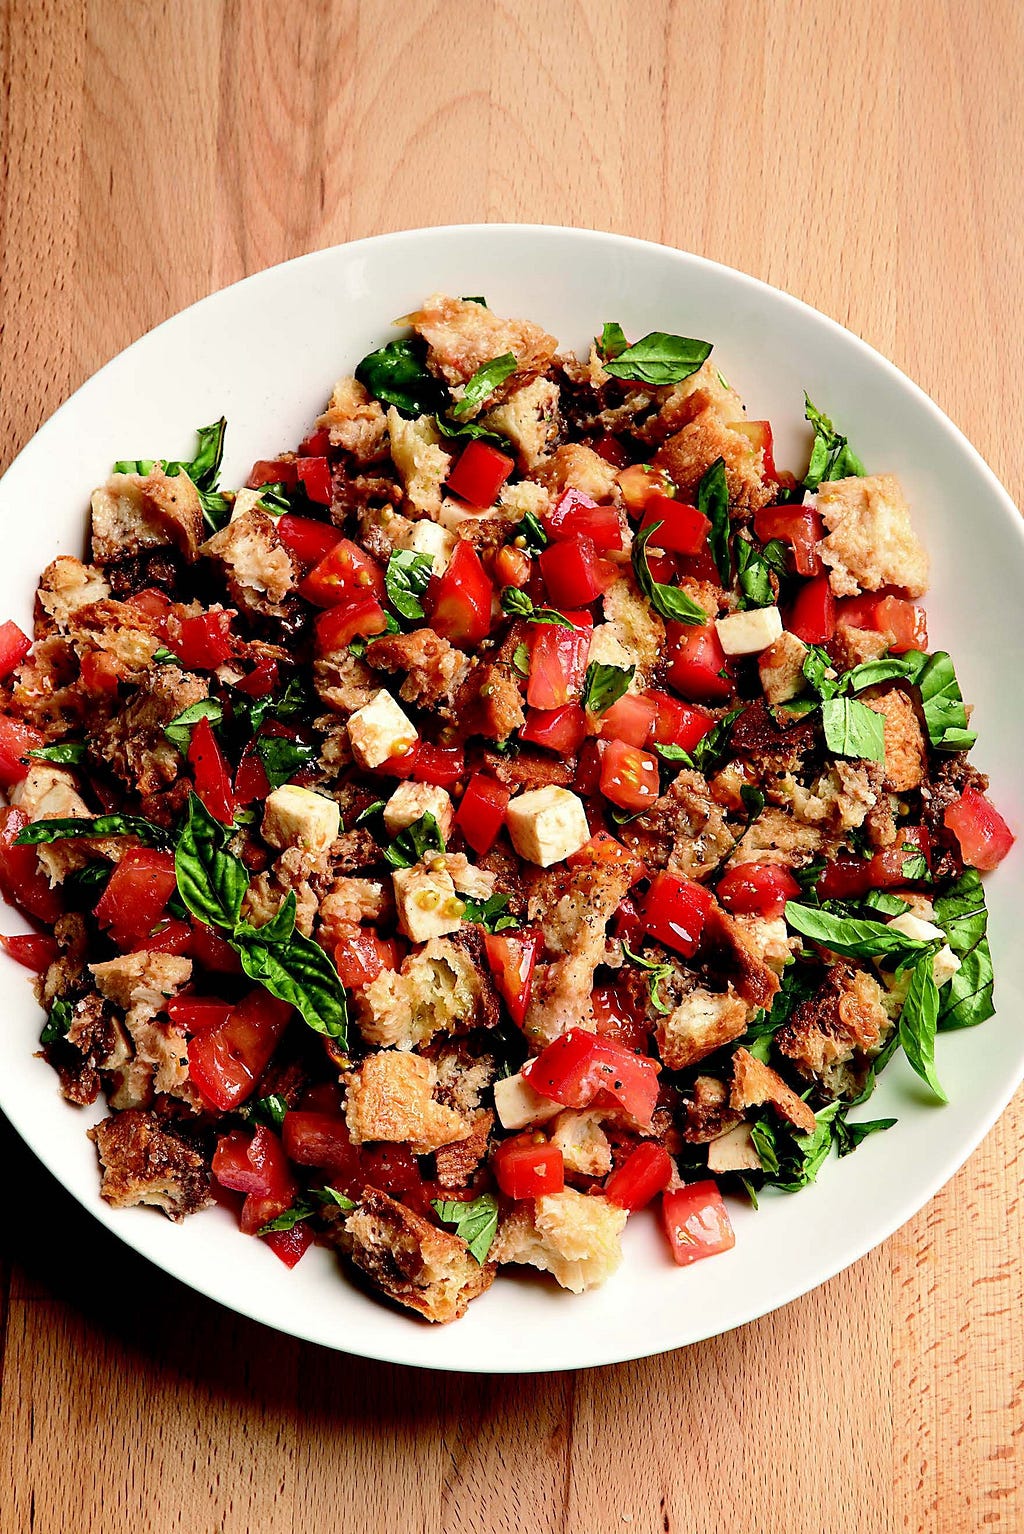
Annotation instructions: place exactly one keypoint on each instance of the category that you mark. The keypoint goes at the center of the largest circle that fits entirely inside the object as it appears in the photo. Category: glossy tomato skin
(812, 617)
(22, 881)
(306, 538)
(677, 723)
(675, 911)
(580, 1068)
(258, 1168)
(643, 1175)
(575, 513)
(289, 1245)
(799, 526)
(171, 936)
(848, 878)
(574, 575)
(629, 777)
(618, 1018)
(983, 834)
(512, 956)
(460, 603)
(35, 950)
(213, 952)
(226, 1063)
(14, 646)
(698, 663)
(441, 765)
(199, 1014)
(757, 889)
(136, 895)
(528, 1166)
(481, 812)
(558, 661)
(683, 528)
(210, 773)
(345, 574)
(251, 781)
(562, 730)
(479, 474)
(274, 471)
(629, 719)
(262, 680)
(316, 1138)
(315, 477)
(903, 623)
(603, 851)
(201, 643)
(696, 1222)
(336, 628)
(16, 739)
(361, 955)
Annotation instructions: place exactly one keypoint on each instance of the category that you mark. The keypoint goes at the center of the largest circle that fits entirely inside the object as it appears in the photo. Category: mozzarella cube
(410, 801)
(430, 538)
(380, 730)
(518, 1106)
(297, 817)
(751, 632)
(547, 824)
(428, 905)
(945, 965)
(913, 927)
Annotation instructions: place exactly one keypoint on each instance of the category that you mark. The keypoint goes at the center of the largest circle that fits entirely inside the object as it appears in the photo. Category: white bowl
(266, 353)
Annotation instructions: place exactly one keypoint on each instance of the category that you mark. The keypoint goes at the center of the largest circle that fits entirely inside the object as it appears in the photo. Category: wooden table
(865, 156)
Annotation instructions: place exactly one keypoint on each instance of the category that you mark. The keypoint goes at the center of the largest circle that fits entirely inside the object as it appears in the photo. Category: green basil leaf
(516, 604)
(817, 666)
(282, 758)
(483, 384)
(278, 929)
(713, 502)
(854, 938)
(918, 1021)
(885, 902)
(491, 914)
(659, 359)
(59, 1020)
(612, 341)
(84, 886)
(658, 971)
(211, 881)
(668, 601)
(291, 1217)
(406, 579)
(966, 1000)
(852, 729)
(604, 685)
(269, 1110)
(67, 753)
(831, 455)
(397, 375)
(274, 499)
(472, 431)
(204, 469)
(521, 659)
(162, 656)
(179, 731)
(528, 534)
(943, 706)
(849, 1136)
(43, 831)
(412, 845)
(754, 569)
(371, 810)
(475, 1222)
(301, 973)
(135, 465)
(712, 747)
(332, 1196)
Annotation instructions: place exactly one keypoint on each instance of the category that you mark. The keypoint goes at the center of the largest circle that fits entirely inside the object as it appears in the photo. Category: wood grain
(863, 155)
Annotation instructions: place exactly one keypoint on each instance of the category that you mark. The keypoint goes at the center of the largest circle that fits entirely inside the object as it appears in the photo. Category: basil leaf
(966, 999)
(471, 431)
(475, 1222)
(831, 456)
(754, 568)
(659, 359)
(301, 973)
(813, 1148)
(135, 465)
(528, 534)
(711, 748)
(269, 1110)
(885, 902)
(852, 729)
(162, 656)
(713, 501)
(179, 731)
(658, 970)
(521, 659)
(278, 929)
(84, 886)
(412, 845)
(42, 831)
(470, 298)
(491, 914)
(518, 605)
(483, 384)
(58, 1022)
(854, 938)
(397, 375)
(792, 1161)
(274, 499)
(211, 881)
(669, 601)
(892, 667)
(282, 758)
(332, 1196)
(612, 341)
(67, 753)
(406, 579)
(371, 810)
(816, 667)
(849, 1136)
(943, 706)
(204, 469)
(918, 1021)
(604, 685)
(288, 1220)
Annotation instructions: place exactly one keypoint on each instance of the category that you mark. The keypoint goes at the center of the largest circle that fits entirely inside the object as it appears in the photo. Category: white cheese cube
(429, 538)
(751, 632)
(945, 965)
(297, 817)
(734, 1151)
(518, 1106)
(547, 824)
(428, 905)
(380, 730)
(913, 927)
(410, 801)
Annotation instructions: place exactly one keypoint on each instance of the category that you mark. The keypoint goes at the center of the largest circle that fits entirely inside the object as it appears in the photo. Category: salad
(521, 806)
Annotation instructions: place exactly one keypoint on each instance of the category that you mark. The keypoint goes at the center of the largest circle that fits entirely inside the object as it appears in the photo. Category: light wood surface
(866, 156)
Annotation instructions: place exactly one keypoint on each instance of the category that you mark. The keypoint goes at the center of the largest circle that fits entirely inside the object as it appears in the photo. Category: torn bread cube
(428, 905)
(582, 1141)
(870, 542)
(390, 1097)
(750, 632)
(411, 801)
(547, 824)
(380, 730)
(574, 1236)
(734, 1152)
(428, 1270)
(297, 817)
(781, 668)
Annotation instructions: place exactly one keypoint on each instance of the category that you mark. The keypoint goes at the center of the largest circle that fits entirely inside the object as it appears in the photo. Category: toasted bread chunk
(754, 1083)
(575, 467)
(462, 336)
(438, 988)
(145, 1164)
(256, 565)
(582, 1141)
(425, 1269)
(870, 541)
(390, 1097)
(420, 460)
(702, 1023)
(574, 1236)
(529, 419)
(688, 455)
(905, 753)
(134, 512)
(708, 1114)
(355, 421)
(832, 1036)
(781, 668)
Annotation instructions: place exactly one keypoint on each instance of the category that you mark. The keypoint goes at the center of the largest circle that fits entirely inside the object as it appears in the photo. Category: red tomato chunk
(512, 957)
(579, 1068)
(557, 729)
(481, 814)
(22, 881)
(696, 1222)
(629, 719)
(983, 834)
(757, 889)
(698, 663)
(16, 740)
(528, 1166)
(558, 662)
(226, 1063)
(812, 616)
(643, 1174)
(574, 514)
(573, 574)
(210, 771)
(675, 911)
(345, 574)
(800, 527)
(629, 776)
(202, 643)
(479, 474)
(682, 530)
(32, 949)
(258, 1168)
(136, 895)
(460, 603)
(306, 538)
(14, 646)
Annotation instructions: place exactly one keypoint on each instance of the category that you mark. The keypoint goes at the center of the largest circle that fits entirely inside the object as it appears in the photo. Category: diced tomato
(757, 889)
(251, 781)
(698, 668)
(574, 575)
(800, 527)
(338, 626)
(401, 764)
(618, 1018)
(154, 605)
(574, 514)
(306, 538)
(210, 772)
(848, 878)
(481, 813)
(558, 662)
(512, 567)
(479, 474)
(640, 481)
(136, 895)
(262, 679)
(628, 924)
(629, 776)
(512, 957)
(441, 765)
(316, 443)
(558, 729)
(290, 1245)
(100, 672)
(812, 617)
(612, 451)
(16, 739)
(318, 1138)
(171, 936)
(344, 574)
(696, 1222)
(983, 834)
(22, 881)
(258, 1168)
(678, 724)
(201, 643)
(698, 567)
(629, 719)
(226, 1063)
(360, 956)
(644, 1173)
(683, 528)
(903, 623)
(14, 646)
(759, 434)
(213, 952)
(315, 477)
(528, 1166)
(393, 1168)
(588, 769)
(665, 568)
(460, 603)
(274, 471)
(580, 1067)
(33, 949)
(674, 912)
(199, 1014)
(603, 851)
